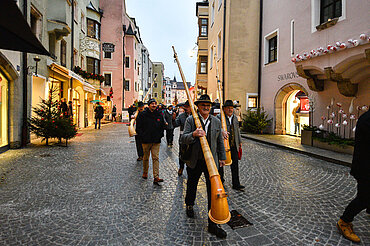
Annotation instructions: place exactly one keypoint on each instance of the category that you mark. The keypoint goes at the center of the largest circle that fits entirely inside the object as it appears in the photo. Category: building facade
(158, 74)
(231, 31)
(316, 55)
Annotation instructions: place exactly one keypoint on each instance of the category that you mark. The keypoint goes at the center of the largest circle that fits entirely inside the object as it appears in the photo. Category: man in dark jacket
(361, 172)
(168, 116)
(180, 121)
(150, 126)
(197, 165)
(99, 113)
(234, 142)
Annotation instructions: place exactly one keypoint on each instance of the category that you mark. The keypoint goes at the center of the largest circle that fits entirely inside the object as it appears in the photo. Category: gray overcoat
(235, 123)
(216, 142)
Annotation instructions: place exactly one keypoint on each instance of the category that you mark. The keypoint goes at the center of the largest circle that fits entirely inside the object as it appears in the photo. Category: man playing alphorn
(197, 165)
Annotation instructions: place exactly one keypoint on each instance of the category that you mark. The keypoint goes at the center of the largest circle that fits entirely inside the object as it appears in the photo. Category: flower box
(347, 149)
(306, 137)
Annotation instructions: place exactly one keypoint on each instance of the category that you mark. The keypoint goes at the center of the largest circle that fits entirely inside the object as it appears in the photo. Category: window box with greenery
(255, 121)
(86, 75)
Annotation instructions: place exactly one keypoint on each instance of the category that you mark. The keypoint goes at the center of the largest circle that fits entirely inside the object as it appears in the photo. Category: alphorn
(228, 161)
(219, 212)
(131, 128)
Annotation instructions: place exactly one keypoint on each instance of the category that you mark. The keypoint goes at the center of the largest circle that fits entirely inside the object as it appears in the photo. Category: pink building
(112, 61)
(317, 55)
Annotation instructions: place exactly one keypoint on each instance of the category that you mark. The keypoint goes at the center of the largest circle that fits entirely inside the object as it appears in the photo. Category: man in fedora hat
(234, 142)
(169, 116)
(180, 121)
(211, 129)
(150, 126)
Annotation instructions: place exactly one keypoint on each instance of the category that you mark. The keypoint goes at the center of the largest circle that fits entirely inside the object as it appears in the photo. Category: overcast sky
(164, 23)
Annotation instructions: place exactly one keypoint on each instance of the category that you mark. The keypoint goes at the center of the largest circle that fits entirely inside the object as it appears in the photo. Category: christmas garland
(87, 75)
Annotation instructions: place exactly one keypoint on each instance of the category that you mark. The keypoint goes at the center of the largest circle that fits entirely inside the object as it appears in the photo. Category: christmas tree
(50, 122)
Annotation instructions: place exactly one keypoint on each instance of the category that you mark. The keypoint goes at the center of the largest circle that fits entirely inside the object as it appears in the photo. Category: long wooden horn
(228, 161)
(219, 212)
(131, 128)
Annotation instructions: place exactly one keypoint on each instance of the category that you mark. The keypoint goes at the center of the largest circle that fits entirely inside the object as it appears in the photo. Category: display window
(297, 112)
(3, 111)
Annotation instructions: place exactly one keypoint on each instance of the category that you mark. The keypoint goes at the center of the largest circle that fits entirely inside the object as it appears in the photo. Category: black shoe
(239, 188)
(190, 211)
(217, 231)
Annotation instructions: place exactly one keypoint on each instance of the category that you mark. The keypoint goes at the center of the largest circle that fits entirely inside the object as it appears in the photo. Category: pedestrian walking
(168, 117)
(139, 146)
(131, 110)
(64, 108)
(99, 113)
(180, 122)
(235, 142)
(150, 127)
(197, 165)
(114, 113)
(360, 170)
(295, 114)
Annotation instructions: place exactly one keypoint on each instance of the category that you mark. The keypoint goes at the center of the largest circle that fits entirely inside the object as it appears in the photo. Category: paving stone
(92, 193)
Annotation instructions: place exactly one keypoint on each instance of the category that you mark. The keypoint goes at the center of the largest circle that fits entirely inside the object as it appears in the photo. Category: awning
(15, 32)
(85, 86)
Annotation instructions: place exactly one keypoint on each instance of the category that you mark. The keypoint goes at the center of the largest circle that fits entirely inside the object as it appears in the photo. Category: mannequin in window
(295, 114)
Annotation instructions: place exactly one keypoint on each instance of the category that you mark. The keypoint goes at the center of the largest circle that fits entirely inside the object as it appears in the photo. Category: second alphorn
(219, 212)
(228, 161)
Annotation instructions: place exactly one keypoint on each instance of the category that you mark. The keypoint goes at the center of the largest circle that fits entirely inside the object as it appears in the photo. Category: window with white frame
(271, 47)
(323, 11)
(252, 100)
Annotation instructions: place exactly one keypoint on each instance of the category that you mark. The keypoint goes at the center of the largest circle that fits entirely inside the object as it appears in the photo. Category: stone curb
(321, 157)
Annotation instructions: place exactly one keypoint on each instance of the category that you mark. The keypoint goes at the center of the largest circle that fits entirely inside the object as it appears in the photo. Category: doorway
(297, 112)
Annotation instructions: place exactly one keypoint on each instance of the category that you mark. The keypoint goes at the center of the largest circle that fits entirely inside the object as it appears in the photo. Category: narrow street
(92, 193)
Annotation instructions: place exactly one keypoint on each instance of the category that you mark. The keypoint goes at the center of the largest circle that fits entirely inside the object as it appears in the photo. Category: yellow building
(232, 37)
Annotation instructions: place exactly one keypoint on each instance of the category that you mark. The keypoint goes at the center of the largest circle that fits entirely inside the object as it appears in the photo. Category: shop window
(203, 27)
(108, 79)
(63, 53)
(330, 9)
(93, 65)
(127, 62)
(93, 29)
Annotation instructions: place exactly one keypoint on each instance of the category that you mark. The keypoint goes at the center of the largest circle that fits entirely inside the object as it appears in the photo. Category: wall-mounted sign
(108, 47)
(287, 76)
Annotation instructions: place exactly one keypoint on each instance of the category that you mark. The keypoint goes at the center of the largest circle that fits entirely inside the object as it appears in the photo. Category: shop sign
(287, 76)
(108, 47)
(305, 106)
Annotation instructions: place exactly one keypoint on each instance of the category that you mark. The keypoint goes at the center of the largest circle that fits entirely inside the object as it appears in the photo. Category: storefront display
(3, 111)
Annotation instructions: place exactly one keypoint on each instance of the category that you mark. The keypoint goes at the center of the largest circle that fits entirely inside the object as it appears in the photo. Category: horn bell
(219, 212)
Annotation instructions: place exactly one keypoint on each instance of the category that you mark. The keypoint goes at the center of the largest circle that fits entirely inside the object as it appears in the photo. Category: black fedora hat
(203, 99)
(140, 104)
(152, 100)
(228, 103)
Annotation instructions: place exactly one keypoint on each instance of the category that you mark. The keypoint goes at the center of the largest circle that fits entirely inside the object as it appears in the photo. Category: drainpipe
(24, 139)
(260, 56)
(72, 46)
(223, 53)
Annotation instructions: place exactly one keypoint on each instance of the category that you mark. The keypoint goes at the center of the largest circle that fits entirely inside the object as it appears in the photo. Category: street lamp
(36, 59)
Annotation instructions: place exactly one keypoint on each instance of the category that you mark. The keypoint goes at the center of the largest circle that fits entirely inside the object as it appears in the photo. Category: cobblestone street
(92, 193)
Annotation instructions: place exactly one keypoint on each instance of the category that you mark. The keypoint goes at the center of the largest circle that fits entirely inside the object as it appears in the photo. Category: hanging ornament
(330, 122)
(359, 108)
(333, 48)
(297, 56)
(355, 43)
(294, 59)
(341, 111)
(337, 44)
(328, 107)
(345, 123)
(332, 115)
(321, 127)
(326, 51)
(320, 49)
(363, 36)
(350, 41)
(328, 47)
(344, 115)
(332, 101)
(339, 104)
(354, 129)
(323, 118)
(343, 46)
(352, 117)
(364, 108)
(337, 125)
(313, 52)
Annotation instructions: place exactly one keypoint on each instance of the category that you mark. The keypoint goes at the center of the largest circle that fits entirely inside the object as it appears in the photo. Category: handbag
(240, 153)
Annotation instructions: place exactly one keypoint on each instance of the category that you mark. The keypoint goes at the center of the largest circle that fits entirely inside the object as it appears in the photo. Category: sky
(164, 23)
